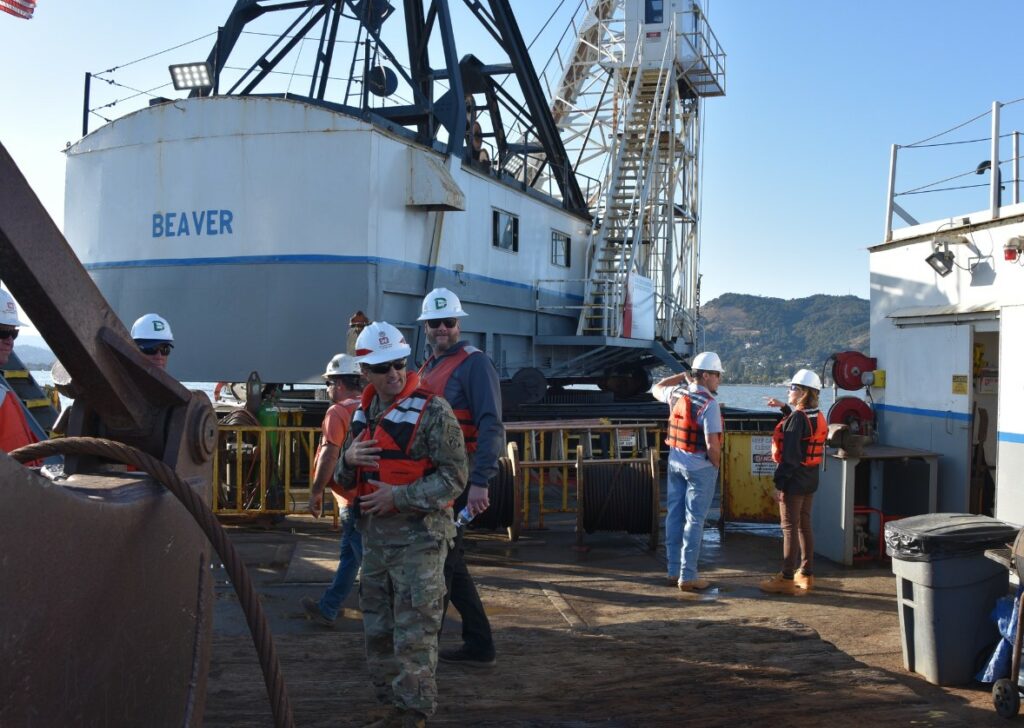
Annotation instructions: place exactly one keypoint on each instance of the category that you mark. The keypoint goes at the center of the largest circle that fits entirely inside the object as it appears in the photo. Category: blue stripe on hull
(306, 259)
(943, 414)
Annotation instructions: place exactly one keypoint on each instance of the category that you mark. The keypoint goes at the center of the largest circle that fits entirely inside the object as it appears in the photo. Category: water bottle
(463, 518)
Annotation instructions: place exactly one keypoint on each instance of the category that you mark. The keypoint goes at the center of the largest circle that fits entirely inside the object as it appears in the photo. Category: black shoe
(312, 608)
(462, 656)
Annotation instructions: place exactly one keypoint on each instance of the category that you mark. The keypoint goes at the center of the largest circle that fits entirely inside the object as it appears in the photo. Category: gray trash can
(945, 591)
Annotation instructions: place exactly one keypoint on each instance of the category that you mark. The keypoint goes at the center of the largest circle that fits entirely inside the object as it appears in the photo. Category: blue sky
(795, 155)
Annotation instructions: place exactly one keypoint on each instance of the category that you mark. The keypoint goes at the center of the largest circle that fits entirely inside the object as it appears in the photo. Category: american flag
(18, 8)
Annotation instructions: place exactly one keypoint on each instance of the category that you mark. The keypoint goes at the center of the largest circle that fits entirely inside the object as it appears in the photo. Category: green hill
(763, 340)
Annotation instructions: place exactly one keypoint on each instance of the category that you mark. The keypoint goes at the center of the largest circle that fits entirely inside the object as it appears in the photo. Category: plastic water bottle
(463, 518)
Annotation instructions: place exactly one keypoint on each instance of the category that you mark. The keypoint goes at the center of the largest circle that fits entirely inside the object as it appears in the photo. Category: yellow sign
(959, 384)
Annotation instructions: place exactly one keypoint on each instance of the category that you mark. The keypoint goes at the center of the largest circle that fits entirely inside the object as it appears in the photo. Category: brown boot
(393, 717)
(413, 719)
(697, 584)
(779, 584)
(803, 581)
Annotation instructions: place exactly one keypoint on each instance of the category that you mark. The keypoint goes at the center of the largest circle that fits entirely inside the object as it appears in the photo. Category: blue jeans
(690, 493)
(348, 566)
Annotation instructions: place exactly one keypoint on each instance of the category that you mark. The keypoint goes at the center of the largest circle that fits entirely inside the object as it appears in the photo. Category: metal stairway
(643, 157)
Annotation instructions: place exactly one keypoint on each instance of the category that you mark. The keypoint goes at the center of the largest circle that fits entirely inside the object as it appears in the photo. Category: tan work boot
(413, 719)
(393, 717)
(779, 584)
(803, 581)
(697, 584)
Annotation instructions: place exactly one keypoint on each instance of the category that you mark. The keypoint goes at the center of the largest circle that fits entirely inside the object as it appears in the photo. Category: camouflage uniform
(402, 585)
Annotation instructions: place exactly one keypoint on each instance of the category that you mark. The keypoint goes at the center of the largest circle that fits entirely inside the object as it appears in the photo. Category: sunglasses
(398, 365)
(794, 387)
(8, 334)
(449, 323)
(162, 349)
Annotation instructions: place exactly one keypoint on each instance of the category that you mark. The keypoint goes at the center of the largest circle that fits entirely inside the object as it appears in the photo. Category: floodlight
(941, 261)
(191, 75)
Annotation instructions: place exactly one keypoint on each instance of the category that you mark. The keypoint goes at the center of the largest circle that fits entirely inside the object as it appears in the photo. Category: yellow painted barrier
(747, 484)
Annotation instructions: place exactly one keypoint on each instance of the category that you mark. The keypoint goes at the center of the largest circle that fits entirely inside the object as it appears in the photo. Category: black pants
(460, 590)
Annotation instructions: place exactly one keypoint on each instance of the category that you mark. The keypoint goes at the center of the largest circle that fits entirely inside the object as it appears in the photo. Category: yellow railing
(549, 448)
(256, 469)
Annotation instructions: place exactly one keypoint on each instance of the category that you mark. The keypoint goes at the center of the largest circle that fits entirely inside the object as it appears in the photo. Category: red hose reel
(854, 413)
(849, 366)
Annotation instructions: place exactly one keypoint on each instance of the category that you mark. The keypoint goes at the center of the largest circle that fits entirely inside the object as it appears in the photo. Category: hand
(363, 454)
(478, 499)
(316, 504)
(776, 403)
(777, 495)
(380, 501)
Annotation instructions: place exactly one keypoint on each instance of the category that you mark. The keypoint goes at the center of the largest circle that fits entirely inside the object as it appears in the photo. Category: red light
(1010, 254)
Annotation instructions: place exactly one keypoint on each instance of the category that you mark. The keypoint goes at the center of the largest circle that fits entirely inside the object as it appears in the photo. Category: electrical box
(876, 378)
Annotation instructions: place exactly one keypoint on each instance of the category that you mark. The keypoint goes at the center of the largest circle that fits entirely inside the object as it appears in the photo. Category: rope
(277, 691)
(617, 497)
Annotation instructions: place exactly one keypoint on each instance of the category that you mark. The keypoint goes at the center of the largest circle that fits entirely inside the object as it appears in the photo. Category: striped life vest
(813, 444)
(436, 380)
(684, 429)
(394, 432)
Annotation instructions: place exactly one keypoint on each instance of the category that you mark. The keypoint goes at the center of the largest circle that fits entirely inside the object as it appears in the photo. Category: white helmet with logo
(340, 365)
(381, 342)
(441, 303)
(152, 327)
(807, 378)
(707, 361)
(9, 311)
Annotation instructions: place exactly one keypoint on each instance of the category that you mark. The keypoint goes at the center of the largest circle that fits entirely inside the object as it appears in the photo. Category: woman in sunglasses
(153, 336)
(798, 444)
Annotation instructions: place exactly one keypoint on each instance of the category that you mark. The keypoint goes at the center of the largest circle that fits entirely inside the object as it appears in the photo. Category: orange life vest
(684, 429)
(436, 380)
(14, 429)
(348, 406)
(394, 432)
(813, 444)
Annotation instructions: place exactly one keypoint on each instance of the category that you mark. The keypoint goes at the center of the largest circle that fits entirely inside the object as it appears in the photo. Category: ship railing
(968, 159)
(706, 74)
(263, 471)
(548, 457)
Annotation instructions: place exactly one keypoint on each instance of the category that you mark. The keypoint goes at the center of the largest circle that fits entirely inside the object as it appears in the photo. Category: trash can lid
(941, 535)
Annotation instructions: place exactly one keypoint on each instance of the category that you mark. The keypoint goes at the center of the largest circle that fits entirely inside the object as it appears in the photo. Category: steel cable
(204, 517)
(617, 497)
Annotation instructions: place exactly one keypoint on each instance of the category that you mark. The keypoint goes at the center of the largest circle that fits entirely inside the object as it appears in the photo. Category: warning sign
(761, 456)
(959, 384)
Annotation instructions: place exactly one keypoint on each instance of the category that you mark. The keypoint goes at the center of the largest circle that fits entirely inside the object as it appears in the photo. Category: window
(505, 231)
(561, 249)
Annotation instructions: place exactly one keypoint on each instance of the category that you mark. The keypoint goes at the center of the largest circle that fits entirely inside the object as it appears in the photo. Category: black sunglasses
(162, 349)
(8, 334)
(449, 323)
(398, 365)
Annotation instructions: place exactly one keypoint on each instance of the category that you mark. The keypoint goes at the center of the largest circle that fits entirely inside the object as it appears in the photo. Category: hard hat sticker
(440, 303)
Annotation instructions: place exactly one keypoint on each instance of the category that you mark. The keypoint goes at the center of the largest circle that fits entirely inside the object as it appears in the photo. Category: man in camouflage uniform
(406, 458)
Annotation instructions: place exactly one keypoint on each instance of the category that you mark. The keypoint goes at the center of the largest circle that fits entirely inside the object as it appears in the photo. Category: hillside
(35, 357)
(764, 340)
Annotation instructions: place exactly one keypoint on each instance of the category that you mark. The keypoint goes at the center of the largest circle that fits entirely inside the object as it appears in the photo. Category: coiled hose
(618, 497)
(258, 627)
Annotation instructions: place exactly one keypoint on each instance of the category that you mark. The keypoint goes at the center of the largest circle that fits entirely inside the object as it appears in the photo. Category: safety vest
(348, 406)
(14, 428)
(813, 444)
(394, 432)
(684, 429)
(436, 380)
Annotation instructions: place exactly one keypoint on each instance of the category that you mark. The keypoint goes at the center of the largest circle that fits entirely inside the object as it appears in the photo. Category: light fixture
(1012, 249)
(941, 261)
(191, 75)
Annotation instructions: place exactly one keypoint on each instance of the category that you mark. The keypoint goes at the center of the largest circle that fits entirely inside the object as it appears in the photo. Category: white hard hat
(152, 327)
(707, 361)
(381, 342)
(807, 378)
(340, 365)
(9, 311)
(441, 303)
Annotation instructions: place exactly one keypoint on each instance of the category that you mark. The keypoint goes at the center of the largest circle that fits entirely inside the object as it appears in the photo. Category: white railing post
(994, 171)
(892, 193)
(1016, 167)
